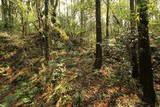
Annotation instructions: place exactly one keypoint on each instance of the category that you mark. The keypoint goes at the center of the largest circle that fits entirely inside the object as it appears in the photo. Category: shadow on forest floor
(79, 86)
(97, 88)
(10, 54)
(16, 55)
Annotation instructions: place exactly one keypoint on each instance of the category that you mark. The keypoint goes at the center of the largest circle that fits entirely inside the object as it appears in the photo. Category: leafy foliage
(67, 30)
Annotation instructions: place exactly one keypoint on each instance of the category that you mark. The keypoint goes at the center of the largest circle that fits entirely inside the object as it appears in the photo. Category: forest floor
(69, 79)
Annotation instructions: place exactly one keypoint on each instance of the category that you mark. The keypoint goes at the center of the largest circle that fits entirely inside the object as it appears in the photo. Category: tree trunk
(22, 21)
(132, 19)
(82, 18)
(107, 20)
(2, 10)
(10, 18)
(133, 42)
(46, 31)
(54, 4)
(39, 14)
(145, 68)
(5, 13)
(98, 61)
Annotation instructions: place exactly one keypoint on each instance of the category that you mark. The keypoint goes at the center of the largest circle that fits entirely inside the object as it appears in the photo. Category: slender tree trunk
(82, 18)
(98, 61)
(27, 20)
(133, 42)
(39, 15)
(54, 4)
(23, 25)
(59, 7)
(132, 19)
(5, 12)
(107, 20)
(10, 14)
(145, 65)
(67, 13)
(46, 31)
(22, 21)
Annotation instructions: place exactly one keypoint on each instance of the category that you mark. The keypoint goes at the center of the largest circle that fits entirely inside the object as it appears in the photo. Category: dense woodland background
(79, 53)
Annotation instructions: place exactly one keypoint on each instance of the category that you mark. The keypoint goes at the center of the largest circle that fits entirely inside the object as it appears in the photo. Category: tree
(22, 19)
(145, 65)
(82, 17)
(107, 19)
(46, 28)
(39, 13)
(98, 61)
(54, 4)
(5, 13)
(133, 41)
(10, 16)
